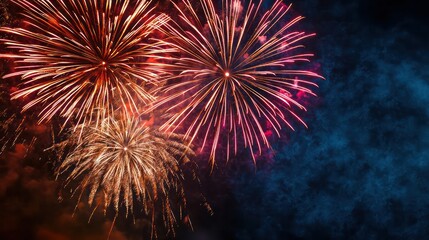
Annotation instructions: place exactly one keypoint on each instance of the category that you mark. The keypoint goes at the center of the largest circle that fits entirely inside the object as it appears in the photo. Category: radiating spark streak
(79, 56)
(12, 124)
(236, 72)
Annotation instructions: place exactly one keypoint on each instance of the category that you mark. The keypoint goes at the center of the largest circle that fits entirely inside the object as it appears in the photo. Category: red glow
(268, 133)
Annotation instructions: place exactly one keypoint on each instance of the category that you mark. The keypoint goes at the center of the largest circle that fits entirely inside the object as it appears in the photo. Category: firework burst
(76, 57)
(125, 162)
(237, 73)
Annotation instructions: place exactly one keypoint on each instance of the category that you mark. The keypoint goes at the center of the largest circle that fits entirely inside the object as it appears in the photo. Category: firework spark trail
(13, 125)
(76, 57)
(237, 72)
(9, 137)
(123, 161)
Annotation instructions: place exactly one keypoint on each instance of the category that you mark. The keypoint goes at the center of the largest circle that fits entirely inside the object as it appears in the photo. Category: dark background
(361, 170)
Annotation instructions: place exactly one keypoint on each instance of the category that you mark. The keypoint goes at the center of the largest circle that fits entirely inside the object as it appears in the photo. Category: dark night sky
(361, 170)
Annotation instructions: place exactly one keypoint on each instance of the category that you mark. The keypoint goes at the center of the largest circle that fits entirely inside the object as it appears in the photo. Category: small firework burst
(237, 72)
(75, 57)
(126, 163)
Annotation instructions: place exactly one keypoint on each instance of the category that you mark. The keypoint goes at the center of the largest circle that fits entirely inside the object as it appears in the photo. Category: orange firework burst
(124, 162)
(237, 73)
(77, 57)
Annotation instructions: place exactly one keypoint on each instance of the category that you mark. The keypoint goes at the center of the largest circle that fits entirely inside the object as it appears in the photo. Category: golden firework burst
(126, 163)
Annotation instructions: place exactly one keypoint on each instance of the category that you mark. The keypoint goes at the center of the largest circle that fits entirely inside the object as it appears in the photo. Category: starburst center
(104, 65)
(227, 74)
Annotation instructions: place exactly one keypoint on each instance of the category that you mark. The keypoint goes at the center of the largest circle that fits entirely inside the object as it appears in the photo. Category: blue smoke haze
(361, 170)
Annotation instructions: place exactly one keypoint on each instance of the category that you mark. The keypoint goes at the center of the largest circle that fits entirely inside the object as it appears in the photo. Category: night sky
(360, 170)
